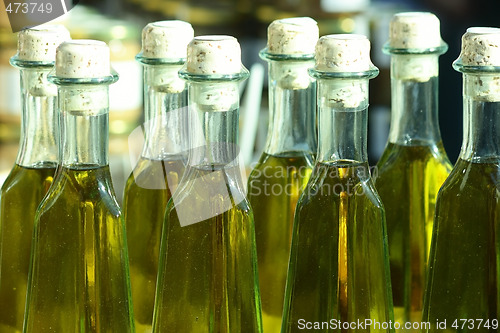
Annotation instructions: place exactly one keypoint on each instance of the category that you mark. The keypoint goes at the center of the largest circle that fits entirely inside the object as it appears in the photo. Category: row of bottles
(317, 236)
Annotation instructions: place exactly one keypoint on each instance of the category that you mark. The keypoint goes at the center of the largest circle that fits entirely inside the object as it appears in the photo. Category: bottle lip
(60, 81)
(469, 69)
(438, 50)
(234, 77)
(264, 54)
(17, 62)
(159, 61)
(369, 74)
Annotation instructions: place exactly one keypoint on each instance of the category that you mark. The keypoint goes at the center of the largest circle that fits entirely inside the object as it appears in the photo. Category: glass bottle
(463, 281)
(276, 182)
(339, 267)
(161, 163)
(414, 164)
(207, 276)
(33, 171)
(79, 278)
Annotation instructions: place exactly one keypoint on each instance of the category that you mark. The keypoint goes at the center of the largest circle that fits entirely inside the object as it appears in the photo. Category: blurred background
(119, 23)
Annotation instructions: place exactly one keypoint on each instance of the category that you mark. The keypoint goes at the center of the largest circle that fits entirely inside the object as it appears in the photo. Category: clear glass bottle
(33, 171)
(276, 182)
(462, 287)
(79, 277)
(339, 265)
(414, 164)
(161, 163)
(207, 278)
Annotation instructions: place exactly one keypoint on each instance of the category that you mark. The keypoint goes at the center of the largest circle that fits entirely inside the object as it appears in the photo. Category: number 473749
(460, 324)
(28, 7)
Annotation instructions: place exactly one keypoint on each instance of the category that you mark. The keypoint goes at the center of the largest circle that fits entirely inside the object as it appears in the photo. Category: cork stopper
(480, 47)
(414, 30)
(166, 39)
(343, 53)
(83, 59)
(40, 43)
(209, 55)
(293, 36)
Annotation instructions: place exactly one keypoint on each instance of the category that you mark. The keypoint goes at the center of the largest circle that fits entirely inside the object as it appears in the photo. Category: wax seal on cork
(214, 55)
(292, 36)
(39, 44)
(83, 59)
(166, 39)
(343, 53)
(414, 30)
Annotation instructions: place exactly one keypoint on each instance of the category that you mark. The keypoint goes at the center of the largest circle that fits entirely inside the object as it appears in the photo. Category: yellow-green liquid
(21, 193)
(409, 178)
(208, 278)
(79, 279)
(464, 261)
(274, 187)
(338, 262)
(147, 192)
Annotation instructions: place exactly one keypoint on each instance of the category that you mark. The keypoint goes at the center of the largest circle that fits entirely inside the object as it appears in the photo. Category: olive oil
(151, 184)
(78, 226)
(463, 281)
(462, 289)
(21, 193)
(408, 181)
(274, 187)
(338, 245)
(34, 169)
(208, 275)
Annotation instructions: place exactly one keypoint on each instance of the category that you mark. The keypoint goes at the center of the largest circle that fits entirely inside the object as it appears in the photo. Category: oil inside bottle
(338, 267)
(79, 274)
(274, 187)
(147, 192)
(208, 269)
(21, 193)
(466, 241)
(408, 181)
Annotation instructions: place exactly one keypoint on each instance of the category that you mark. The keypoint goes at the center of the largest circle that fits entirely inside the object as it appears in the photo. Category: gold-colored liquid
(146, 194)
(208, 278)
(274, 187)
(79, 279)
(409, 178)
(21, 193)
(464, 259)
(339, 261)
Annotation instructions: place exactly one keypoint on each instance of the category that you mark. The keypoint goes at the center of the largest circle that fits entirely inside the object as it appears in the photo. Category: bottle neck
(165, 115)
(84, 125)
(414, 93)
(343, 115)
(292, 107)
(214, 121)
(481, 141)
(39, 120)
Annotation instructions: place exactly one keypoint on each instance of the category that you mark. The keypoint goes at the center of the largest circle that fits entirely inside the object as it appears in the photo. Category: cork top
(40, 43)
(415, 30)
(343, 53)
(292, 36)
(213, 55)
(83, 59)
(166, 39)
(480, 47)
